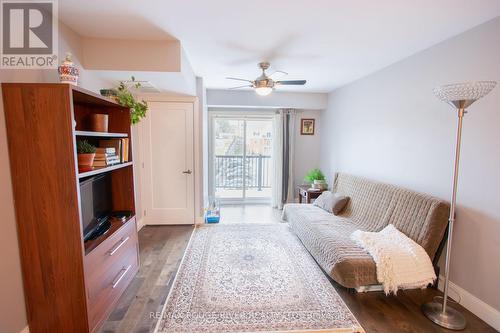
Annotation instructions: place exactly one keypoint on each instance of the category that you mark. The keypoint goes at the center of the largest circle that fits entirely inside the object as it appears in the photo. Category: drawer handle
(120, 276)
(118, 245)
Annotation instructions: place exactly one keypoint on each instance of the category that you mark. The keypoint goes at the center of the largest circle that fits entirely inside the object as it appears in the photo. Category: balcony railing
(230, 173)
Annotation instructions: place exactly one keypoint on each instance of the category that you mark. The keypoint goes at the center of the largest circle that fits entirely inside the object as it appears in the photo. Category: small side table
(306, 194)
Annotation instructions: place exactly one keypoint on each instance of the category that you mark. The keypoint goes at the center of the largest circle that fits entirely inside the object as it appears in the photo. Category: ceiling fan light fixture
(264, 84)
(263, 91)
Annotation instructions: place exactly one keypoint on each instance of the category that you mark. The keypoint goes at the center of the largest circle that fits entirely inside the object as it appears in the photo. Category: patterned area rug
(252, 278)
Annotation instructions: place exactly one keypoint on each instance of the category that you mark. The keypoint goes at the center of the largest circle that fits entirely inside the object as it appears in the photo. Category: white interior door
(168, 172)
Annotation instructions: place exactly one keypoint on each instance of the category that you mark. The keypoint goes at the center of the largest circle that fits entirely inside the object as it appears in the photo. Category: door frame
(197, 154)
(267, 114)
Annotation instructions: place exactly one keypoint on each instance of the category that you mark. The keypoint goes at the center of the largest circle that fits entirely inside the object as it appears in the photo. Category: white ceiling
(327, 42)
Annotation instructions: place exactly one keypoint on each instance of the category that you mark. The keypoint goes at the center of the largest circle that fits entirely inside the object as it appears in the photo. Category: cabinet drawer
(105, 291)
(111, 248)
(109, 268)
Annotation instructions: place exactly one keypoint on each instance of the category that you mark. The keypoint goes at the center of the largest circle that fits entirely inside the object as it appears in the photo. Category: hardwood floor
(161, 251)
(378, 313)
(162, 248)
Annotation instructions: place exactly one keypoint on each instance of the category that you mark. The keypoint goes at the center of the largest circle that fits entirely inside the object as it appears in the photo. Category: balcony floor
(265, 193)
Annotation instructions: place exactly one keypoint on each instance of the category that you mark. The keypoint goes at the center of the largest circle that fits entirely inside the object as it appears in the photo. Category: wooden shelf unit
(69, 285)
(97, 171)
(101, 134)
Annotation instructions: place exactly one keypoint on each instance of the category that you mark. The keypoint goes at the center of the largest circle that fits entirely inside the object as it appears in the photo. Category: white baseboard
(140, 224)
(481, 309)
(25, 330)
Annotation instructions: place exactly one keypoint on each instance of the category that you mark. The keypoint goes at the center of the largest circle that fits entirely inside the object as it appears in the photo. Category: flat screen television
(96, 205)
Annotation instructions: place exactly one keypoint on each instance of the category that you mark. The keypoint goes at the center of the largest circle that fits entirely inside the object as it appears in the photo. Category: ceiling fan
(264, 84)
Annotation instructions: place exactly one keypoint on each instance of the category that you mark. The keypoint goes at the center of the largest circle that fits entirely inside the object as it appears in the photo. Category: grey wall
(390, 127)
(307, 147)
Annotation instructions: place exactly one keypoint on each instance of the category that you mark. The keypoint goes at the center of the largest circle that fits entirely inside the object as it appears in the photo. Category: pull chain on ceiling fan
(264, 84)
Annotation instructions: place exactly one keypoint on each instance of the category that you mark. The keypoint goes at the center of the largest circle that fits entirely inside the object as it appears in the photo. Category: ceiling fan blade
(235, 78)
(291, 82)
(245, 86)
(278, 71)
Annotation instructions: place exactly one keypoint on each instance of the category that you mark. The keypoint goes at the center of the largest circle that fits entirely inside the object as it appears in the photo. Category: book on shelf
(125, 148)
(120, 146)
(103, 165)
(106, 150)
(107, 162)
(99, 157)
(104, 155)
(107, 158)
(113, 144)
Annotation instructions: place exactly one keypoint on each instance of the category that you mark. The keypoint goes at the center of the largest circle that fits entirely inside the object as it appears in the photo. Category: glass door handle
(187, 172)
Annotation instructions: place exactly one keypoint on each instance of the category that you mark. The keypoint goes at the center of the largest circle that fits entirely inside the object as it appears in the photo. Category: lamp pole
(461, 113)
(460, 96)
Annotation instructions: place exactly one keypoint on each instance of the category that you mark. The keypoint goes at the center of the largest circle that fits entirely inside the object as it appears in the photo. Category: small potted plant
(316, 178)
(86, 154)
(124, 97)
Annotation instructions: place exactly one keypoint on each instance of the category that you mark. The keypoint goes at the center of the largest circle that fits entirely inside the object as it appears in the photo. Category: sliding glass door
(241, 158)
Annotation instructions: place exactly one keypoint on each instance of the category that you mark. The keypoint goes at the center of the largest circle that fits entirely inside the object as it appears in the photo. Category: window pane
(228, 148)
(259, 148)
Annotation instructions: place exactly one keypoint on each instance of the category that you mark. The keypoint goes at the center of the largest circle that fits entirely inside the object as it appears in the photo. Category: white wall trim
(25, 330)
(481, 309)
(199, 220)
(140, 224)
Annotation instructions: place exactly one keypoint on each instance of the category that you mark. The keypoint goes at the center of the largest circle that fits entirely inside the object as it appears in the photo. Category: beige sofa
(371, 207)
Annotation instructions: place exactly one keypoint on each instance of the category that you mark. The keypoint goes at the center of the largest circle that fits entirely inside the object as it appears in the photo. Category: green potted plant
(86, 154)
(124, 97)
(316, 178)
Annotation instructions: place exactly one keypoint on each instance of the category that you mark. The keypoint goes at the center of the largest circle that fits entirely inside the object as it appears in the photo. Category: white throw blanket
(401, 263)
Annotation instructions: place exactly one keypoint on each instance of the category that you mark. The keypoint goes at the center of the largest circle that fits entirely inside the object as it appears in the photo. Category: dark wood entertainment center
(69, 285)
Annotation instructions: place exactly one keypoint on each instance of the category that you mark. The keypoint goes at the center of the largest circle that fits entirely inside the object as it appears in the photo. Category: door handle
(187, 172)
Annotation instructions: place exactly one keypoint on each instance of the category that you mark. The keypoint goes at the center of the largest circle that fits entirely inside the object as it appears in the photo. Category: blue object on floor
(212, 213)
(212, 219)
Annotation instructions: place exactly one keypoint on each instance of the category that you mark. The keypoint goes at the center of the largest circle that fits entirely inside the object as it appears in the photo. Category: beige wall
(131, 55)
(12, 309)
(278, 99)
(390, 127)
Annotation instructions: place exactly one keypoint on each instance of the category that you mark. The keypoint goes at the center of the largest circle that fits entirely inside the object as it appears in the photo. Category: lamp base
(452, 319)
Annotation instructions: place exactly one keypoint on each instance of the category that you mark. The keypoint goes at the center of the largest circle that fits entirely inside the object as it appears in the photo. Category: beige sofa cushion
(331, 202)
(327, 238)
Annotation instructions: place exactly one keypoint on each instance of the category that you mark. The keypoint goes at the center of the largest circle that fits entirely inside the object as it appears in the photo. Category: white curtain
(283, 154)
(277, 187)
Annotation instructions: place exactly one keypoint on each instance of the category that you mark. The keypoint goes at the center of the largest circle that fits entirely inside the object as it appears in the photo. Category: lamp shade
(462, 95)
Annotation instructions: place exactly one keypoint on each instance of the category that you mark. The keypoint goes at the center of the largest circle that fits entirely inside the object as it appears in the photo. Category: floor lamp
(460, 96)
